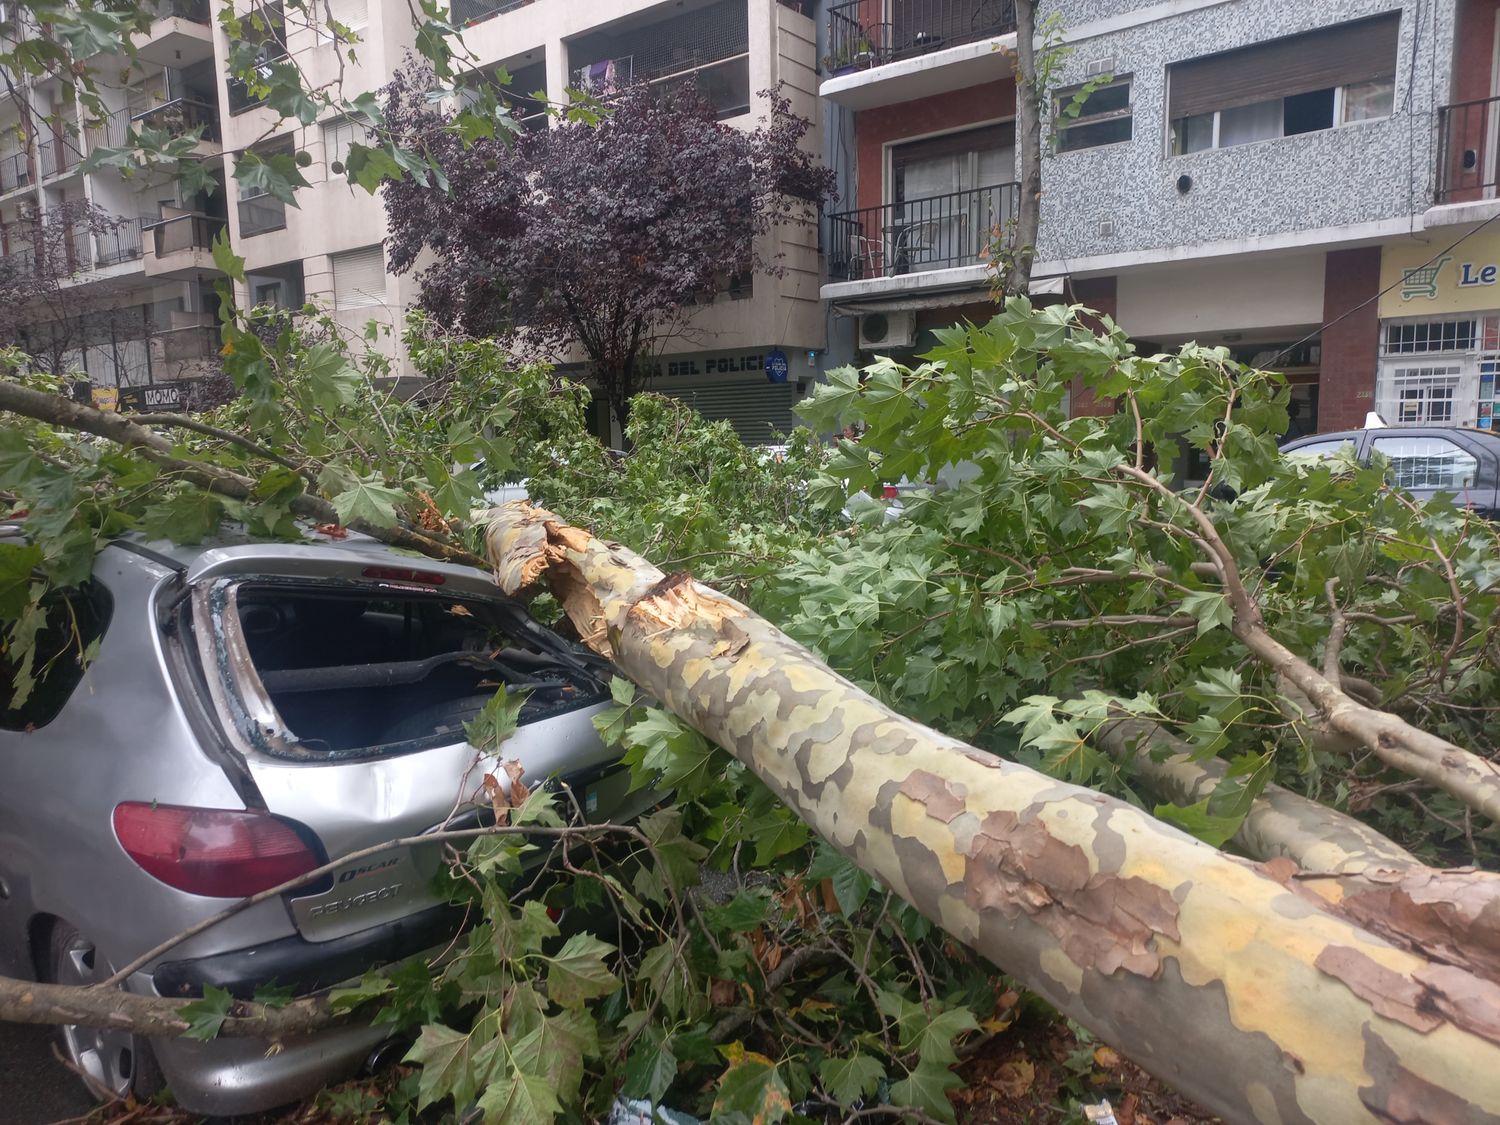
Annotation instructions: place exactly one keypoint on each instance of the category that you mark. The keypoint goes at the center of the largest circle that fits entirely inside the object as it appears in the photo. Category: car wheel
(112, 1063)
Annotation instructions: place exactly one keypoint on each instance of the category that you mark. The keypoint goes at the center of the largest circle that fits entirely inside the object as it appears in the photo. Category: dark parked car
(1424, 460)
(253, 712)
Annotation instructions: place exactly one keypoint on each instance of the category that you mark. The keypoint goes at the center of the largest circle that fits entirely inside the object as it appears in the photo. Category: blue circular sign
(776, 365)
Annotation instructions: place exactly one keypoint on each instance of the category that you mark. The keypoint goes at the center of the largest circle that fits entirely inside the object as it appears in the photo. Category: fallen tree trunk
(1452, 915)
(1255, 999)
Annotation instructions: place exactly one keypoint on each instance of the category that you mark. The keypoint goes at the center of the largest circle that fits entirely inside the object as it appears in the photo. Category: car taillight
(890, 492)
(401, 574)
(222, 853)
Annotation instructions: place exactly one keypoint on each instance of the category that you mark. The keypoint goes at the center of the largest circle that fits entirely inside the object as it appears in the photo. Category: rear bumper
(226, 1077)
(310, 966)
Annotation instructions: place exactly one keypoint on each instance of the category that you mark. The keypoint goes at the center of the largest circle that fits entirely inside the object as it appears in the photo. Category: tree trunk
(1246, 993)
(1028, 151)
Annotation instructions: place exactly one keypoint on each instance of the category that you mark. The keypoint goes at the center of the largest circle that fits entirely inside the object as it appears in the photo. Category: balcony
(1468, 159)
(260, 214)
(179, 345)
(59, 156)
(182, 245)
(881, 52)
(181, 34)
(918, 236)
(181, 116)
(122, 244)
(466, 13)
(15, 172)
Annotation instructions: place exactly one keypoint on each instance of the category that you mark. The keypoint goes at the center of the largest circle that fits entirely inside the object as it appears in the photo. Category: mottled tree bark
(1247, 993)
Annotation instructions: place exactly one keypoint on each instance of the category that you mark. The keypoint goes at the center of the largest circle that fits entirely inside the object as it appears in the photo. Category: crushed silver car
(255, 711)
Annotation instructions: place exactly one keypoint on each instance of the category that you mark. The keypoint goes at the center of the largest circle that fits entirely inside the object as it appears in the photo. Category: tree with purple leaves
(604, 232)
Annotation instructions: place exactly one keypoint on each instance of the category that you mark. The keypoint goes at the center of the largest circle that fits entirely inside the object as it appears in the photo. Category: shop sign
(105, 398)
(160, 396)
(1418, 280)
(733, 363)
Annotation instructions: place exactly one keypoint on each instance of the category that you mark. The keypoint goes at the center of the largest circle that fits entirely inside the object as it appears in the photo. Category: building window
(359, 279)
(352, 15)
(1103, 118)
(1419, 336)
(338, 135)
(1302, 84)
(265, 29)
(1421, 396)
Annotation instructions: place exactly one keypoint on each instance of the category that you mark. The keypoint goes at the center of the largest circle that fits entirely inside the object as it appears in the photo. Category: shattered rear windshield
(348, 670)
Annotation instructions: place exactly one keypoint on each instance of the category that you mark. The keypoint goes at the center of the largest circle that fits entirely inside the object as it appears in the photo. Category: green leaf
(274, 995)
(207, 1015)
(851, 886)
(520, 1099)
(1196, 820)
(447, 1065)
(650, 1070)
(188, 516)
(1211, 608)
(578, 974)
(496, 722)
(16, 566)
(752, 1088)
(226, 261)
(850, 1079)
(745, 911)
(666, 749)
(370, 986)
(369, 501)
(926, 1088)
(555, 1050)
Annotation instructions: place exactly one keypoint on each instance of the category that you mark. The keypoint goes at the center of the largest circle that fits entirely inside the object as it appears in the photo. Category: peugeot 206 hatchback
(255, 711)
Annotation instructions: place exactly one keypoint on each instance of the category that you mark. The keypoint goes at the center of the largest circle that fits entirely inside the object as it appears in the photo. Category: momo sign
(1419, 279)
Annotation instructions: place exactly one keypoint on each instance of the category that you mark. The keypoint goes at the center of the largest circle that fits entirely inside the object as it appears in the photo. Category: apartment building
(328, 248)
(1267, 176)
(120, 301)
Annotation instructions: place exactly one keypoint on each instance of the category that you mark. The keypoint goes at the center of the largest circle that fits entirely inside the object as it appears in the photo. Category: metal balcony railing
(110, 131)
(1468, 151)
(59, 155)
(917, 235)
(179, 116)
(468, 12)
(183, 232)
(15, 172)
(261, 213)
(122, 244)
(195, 10)
(197, 341)
(866, 33)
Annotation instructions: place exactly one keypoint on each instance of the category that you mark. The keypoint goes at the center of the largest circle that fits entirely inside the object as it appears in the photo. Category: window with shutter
(352, 14)
(359, 278)
(338, 135)
(1301, 84)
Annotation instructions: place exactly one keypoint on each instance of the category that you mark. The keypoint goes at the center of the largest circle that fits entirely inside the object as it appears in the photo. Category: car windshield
(340, 671)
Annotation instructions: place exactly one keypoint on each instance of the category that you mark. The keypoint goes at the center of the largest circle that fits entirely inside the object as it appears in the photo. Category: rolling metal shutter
(359, 278)
(1333, 56)
(757, 411)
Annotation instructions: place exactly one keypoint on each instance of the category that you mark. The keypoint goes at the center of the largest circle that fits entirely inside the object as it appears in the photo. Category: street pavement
(36, 1089)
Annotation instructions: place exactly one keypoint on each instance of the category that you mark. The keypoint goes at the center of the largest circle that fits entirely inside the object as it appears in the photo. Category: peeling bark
(1202, 967)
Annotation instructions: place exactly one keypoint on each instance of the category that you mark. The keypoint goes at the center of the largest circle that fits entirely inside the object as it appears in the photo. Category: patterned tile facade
(1354, 174)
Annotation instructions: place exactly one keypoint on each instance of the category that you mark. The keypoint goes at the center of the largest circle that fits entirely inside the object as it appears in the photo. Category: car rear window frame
(250, 718)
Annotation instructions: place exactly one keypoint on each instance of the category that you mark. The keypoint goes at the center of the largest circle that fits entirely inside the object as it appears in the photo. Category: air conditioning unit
(887, 330)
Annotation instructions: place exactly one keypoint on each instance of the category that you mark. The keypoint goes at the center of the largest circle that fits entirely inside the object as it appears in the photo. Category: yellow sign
(106, 398)
(1423, 279)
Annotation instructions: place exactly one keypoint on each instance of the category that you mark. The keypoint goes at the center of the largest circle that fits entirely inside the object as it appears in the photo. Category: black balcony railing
(183, 232)
(59, 155)
(110, 131)
(866, 33)
(917, 235)
(466, 12)
(120, 244)
(15, 172)
(261, 213)
(180, 116)
(195, 10)
(1468, 151)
